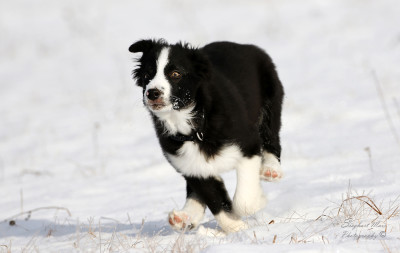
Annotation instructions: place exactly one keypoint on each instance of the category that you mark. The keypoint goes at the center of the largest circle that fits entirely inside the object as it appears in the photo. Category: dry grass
(5, 248)
(97, 235)
(382, 98)
(28, 214)
(396, 104)
(360, 208)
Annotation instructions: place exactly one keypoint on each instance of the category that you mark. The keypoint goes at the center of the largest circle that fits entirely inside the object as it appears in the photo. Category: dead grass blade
(384, 106)
(273, 241)
(28, 213)
(368, 201)
(385, 246)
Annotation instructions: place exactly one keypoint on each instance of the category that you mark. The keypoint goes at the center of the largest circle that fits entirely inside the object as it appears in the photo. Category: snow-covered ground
(78, 150)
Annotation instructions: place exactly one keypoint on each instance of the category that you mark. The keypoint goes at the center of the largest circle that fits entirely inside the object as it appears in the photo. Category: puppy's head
(170, 75)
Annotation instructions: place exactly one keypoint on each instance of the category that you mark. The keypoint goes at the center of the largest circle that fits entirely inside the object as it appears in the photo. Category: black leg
(210, 191)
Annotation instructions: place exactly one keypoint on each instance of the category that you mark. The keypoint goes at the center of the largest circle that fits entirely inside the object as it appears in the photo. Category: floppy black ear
(141, 46)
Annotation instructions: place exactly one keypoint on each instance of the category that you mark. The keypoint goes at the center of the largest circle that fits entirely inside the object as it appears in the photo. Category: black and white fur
(214, 108)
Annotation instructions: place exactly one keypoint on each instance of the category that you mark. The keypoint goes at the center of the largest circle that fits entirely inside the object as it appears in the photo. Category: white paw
(271, 168)
(250, 205)
(230, 223)
(180, 220)
(210, 232)
(271, 174)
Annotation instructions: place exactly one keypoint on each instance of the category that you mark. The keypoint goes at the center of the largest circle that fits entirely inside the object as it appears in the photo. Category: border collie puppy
(214, 109)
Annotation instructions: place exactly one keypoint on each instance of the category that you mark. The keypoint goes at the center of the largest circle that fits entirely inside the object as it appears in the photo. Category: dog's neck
(176, 121)
(182, 125)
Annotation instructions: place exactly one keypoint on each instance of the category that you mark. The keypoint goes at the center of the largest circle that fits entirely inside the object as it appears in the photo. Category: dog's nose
(153, 94)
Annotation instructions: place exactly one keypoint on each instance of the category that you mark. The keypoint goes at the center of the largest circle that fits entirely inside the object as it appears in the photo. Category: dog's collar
(199, 122)
(182, 138)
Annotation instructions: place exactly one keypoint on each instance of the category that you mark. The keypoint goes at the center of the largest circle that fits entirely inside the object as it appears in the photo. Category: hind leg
(271, 150)
(271, 147)
(270, 123)
(271, 168)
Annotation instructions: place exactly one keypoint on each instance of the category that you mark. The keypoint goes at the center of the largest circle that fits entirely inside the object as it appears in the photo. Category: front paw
(230, 223)
(250, 205)
(180, 220)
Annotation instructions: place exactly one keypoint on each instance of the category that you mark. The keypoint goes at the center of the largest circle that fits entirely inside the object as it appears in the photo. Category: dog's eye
(175, 75)
(146, 77)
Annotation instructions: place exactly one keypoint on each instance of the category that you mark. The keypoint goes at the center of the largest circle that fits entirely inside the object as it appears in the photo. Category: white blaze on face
(174, 120)
(160, 81)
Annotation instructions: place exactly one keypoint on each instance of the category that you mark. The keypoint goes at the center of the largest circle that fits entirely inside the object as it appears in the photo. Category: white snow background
(80, 166)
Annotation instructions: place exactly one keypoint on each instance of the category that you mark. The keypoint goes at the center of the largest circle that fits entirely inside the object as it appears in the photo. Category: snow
(74, 135)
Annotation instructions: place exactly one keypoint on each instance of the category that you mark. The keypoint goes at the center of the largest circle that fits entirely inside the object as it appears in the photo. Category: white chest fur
(190, 161)
(176, 121)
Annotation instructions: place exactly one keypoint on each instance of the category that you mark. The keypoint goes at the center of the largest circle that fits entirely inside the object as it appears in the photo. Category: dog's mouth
(155, 106)
(158, 105)
(163, 104)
